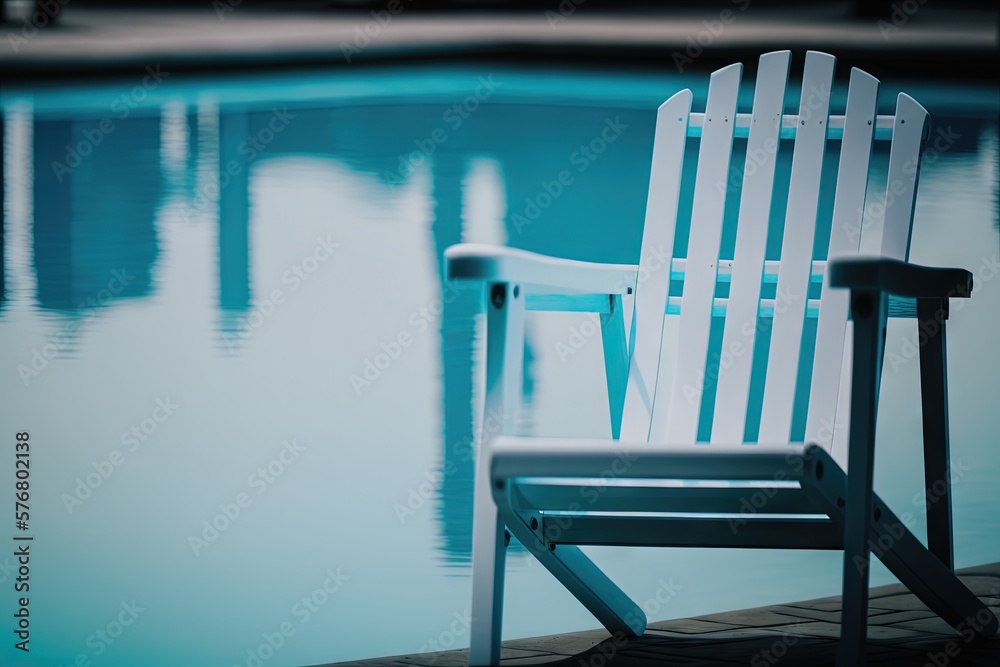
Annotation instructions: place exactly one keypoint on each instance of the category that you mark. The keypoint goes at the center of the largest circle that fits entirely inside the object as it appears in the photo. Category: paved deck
(90, 39)
(902, 631)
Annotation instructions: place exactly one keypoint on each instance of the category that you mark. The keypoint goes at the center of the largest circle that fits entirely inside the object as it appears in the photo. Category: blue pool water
(252, 400)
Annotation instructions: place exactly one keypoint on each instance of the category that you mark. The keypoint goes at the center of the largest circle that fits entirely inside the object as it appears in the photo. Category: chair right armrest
(901, 279)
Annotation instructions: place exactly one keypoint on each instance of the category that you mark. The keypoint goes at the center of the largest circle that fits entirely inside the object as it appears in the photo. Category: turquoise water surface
(252, 399)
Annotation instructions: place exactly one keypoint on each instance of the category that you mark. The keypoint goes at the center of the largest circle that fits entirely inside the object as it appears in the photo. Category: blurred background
(254, 397)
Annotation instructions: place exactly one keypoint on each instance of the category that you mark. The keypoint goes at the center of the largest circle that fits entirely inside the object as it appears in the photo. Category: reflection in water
(93, 222)
(95, 192)
(234, 217)
(457, 348)
(3, 215)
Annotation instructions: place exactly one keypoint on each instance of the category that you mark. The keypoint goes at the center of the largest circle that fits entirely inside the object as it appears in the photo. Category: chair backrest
(783, 301)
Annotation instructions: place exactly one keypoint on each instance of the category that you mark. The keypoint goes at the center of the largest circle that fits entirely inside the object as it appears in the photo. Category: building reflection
(94, 196)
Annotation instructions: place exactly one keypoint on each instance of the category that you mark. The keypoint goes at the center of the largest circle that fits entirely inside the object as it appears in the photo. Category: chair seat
(649, 494)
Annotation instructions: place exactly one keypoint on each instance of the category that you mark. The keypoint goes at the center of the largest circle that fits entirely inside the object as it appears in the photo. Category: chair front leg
(868, 311)
(931, 317)
(504, 359)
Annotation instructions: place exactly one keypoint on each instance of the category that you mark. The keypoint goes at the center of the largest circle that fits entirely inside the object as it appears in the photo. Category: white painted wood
(709, 203)
(592, 458)
(842, 418)
(740, 328)
(615, 346)
(657, 248)
(504, 359)
(796, 249)
(845, 238)
(581, 577)
(720, 306)
(790, 124)
(910, 130)
(539, 273)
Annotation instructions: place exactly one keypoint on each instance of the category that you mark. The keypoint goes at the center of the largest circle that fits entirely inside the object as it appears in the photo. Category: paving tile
(692, 626)
(549, 659)
(933, 625)
(567, 644)
(822, 604)
(894, 617)
(902, 603)
(981, 585)
(757, 618)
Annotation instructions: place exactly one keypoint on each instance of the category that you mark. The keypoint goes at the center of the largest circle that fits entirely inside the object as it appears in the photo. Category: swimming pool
(253, 399)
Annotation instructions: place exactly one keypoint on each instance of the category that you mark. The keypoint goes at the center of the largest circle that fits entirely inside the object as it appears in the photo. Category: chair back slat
(908, 134)
(797, 249)
(701, 268)
(751, 239)
(657, 241)
(845, 238)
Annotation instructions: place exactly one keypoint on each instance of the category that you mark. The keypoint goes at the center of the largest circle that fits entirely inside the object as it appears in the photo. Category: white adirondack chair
(520, 481)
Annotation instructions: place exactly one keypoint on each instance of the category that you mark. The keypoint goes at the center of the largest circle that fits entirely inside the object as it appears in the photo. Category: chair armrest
(902, 279)
(543, 274)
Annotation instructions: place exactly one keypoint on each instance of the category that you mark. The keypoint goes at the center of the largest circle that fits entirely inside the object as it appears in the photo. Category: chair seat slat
(759, 533)
(567, 496)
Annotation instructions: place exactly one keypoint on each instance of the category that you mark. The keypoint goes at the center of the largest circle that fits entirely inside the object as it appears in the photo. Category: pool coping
(90, 41)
